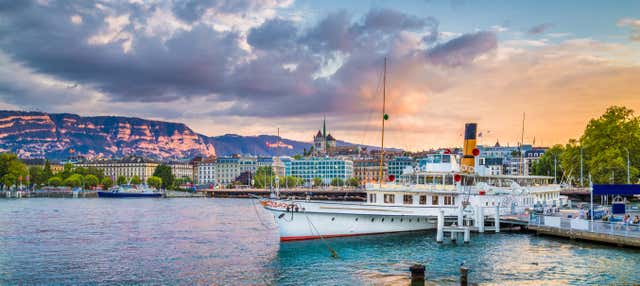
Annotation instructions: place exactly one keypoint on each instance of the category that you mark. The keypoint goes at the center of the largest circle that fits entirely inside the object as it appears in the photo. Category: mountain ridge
(36, 134)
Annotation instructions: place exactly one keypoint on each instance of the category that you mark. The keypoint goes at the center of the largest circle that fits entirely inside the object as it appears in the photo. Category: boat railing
(601, 227)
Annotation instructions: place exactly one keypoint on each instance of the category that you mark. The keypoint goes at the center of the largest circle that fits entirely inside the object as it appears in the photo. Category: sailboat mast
(521, 147)
(384, 115)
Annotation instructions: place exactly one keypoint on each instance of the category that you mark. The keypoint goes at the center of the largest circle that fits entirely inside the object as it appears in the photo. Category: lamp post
(628, 166)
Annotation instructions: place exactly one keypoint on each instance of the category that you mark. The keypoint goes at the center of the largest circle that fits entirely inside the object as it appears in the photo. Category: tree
(135, 180)
(36, 175)
(353, 182)
(91, 180)
(67, 170)
(47, 172)
(544, 166)
(106, 182)
(337, 182)
(8, 180)
(155, 182)
(317, 181)
(74, 180)
(121, 180)
(606, 142)
(264, 177)
(54, 181)
(12, 169)
(164, 172)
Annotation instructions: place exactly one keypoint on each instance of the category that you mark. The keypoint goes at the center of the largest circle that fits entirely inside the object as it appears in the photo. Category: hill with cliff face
(58, 136)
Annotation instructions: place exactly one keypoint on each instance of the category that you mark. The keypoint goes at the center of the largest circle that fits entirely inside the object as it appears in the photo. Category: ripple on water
(222, 242)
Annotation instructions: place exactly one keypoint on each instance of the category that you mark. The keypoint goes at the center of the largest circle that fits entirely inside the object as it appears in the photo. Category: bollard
(481, 219)
(440, 231)
(464, 272)
(417, 275)
(467, 235)
(497, 219)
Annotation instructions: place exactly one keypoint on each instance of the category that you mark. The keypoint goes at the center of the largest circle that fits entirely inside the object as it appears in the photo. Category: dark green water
(231, 242)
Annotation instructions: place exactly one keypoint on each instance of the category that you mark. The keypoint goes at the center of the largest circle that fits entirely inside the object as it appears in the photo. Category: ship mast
(384, 118)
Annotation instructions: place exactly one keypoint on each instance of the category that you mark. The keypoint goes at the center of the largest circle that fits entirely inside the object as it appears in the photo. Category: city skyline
(249, 67)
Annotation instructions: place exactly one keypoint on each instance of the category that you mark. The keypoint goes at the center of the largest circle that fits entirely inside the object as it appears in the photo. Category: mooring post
(480, 219)
(467, 235)
(417, 275)
(464, 272)
(497, 219)
(440, 232)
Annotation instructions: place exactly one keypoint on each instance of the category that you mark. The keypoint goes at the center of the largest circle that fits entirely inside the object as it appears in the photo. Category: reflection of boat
(130, 191)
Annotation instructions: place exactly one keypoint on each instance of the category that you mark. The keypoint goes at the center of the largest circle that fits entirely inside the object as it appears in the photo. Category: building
(181, 169)
(368, 170)
(397, 165)
(126, 167)
(322, 141)
(322, 167)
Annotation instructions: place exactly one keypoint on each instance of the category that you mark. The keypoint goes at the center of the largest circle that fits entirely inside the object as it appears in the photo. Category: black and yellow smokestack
(468, 160)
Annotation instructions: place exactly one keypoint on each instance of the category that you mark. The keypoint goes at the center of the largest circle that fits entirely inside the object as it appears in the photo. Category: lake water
(234, 242)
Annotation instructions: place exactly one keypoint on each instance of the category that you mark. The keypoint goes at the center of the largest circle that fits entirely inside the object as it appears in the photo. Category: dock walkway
(617, 233)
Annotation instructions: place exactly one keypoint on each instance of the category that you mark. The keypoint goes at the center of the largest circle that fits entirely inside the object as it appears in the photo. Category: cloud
(539, 29)
(463, 49)
(273, 34)
(634, 25)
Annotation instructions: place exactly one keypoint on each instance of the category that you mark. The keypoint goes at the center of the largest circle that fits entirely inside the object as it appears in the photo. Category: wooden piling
(464, 273)
(417, 275)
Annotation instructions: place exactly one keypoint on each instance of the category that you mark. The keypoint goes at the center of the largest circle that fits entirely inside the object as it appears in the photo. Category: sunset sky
(251, 66)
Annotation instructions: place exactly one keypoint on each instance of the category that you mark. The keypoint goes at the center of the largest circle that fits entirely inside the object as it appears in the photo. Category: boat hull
(311, 224)
(128, 195)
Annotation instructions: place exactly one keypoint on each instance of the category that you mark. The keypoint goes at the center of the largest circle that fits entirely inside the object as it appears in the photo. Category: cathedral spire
(324, 126)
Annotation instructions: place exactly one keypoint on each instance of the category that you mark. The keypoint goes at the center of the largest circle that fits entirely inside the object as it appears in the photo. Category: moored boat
(130, 191)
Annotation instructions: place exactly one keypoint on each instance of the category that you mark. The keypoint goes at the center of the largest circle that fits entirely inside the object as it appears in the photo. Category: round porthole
(391, 220)
(356, 219)
(400, 220)
(372, 219)
(418, 220)
(383, 220)
(333, 218)
(409, 220)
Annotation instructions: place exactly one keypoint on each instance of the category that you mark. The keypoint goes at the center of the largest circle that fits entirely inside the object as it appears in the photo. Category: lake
(234, 242)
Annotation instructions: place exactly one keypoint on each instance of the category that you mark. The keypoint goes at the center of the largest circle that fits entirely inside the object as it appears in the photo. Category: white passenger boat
(444, 187)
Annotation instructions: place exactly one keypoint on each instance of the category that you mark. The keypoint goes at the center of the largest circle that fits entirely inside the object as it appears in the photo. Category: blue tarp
(619, 190)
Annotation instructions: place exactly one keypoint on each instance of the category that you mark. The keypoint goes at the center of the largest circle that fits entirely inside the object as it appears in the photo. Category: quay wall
(587, 236)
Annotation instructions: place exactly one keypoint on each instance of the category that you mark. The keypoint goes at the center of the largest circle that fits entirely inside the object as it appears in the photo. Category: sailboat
(444, 185)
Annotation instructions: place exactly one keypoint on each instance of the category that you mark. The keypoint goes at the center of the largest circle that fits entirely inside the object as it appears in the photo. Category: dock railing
(603, 227)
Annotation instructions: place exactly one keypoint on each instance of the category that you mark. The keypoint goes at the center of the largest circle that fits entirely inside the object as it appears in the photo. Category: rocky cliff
(38, 134)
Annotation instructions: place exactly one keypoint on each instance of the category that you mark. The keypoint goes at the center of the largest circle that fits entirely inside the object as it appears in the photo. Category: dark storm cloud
(463, 49)
(278, 76)
(539, 29)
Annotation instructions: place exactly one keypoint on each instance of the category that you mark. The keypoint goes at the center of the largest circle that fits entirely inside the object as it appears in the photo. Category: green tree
(9, 180)
(47, 172)
(605, 143)
(264, 177)
(155, 182)
(74, 180)
(544, 166)
(12, 169)
(135, 180)
(106, 182)
(353, 182)
(36, 175)
(317, 181)
(337, 182)
(91, 180)
(54, 181)
(121, 180)
(164, 172)
(67, 170)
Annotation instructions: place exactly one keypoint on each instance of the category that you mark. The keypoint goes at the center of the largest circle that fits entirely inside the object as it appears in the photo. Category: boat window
(389, 198)
(446, 158)
(408, 199)
(434, 200)
(372, 198)
(448, 200)
(423, 200)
